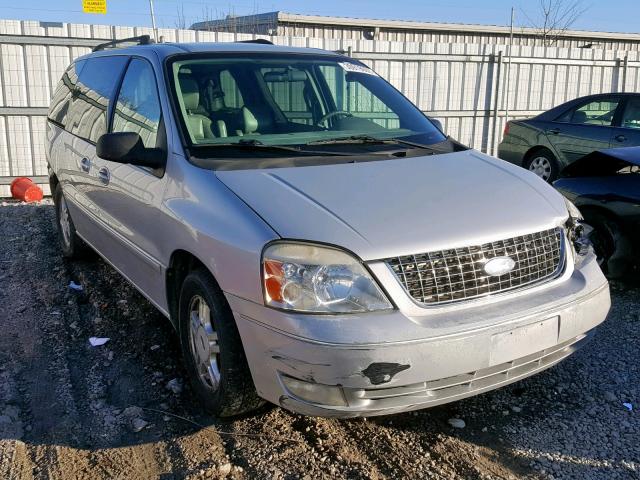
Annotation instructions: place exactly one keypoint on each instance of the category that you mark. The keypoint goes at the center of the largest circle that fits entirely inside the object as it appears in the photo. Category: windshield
(288, 100)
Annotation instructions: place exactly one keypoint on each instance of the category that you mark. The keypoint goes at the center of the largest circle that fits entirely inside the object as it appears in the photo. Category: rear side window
(59, 106)
(631, 115)
(138, 106)
(87, 117)
(596, 112)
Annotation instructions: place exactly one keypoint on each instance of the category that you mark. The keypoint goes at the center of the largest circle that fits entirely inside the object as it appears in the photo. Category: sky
(599, 16)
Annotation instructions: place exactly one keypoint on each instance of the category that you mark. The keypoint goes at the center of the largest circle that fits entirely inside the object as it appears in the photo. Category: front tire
(544, 164)
(212, 349)
(610, 245)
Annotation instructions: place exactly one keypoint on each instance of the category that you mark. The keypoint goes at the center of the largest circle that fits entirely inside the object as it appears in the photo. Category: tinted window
(87, 117)
(631, 115)
(59, 106)
(596, 112)
(138, 106)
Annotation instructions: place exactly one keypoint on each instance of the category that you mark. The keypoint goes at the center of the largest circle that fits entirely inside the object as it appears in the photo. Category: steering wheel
(333, 114)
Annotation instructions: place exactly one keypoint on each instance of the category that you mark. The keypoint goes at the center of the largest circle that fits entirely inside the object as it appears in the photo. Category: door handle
(104, 175)
(85, 165)
(621, 138)
(554, 131)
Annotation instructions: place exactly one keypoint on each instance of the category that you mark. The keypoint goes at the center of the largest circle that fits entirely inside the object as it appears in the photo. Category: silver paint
(377, 209)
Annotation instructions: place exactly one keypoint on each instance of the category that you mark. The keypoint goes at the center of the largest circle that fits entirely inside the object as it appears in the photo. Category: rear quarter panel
(522, 137)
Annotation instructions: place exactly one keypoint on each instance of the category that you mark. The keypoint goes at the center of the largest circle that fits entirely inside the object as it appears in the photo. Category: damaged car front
(381, 310)
(605, 186)
(406, 270)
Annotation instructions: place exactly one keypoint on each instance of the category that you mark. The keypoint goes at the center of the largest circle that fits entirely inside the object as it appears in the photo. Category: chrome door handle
(85, 165)
(621, 138)
(104, 175)
(554, 131)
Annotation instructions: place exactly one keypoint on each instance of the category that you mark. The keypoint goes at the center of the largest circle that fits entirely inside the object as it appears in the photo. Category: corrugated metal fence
(463, 85)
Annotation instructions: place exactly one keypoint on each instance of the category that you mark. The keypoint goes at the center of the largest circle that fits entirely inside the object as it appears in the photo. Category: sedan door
(584, 128)
(130, 197)
(627, 131)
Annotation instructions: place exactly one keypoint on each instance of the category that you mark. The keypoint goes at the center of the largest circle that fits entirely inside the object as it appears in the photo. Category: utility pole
(153, 21)
(508, 90)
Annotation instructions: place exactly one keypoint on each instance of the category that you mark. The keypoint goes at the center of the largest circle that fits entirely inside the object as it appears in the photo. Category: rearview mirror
(437, 123)
(127, 147)
(288, 75)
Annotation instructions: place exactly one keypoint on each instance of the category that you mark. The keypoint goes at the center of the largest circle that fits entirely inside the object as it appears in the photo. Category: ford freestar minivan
(314, 238)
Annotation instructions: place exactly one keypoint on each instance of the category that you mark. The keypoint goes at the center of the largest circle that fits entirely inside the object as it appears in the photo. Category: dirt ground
(123, 410)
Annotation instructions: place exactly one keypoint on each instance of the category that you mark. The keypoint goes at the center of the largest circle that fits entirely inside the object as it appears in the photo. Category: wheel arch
(180, 264)
(597, 209)
(53, 182)
(538, 148)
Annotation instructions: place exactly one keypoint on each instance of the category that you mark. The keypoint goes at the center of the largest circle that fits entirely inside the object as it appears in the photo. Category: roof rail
(261, 41)
(141, 40)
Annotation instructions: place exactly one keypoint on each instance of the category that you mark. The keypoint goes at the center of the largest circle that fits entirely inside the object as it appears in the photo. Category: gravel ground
(122, 410)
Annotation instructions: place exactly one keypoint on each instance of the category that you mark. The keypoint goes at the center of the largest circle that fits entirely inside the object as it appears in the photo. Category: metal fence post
(625, 66)
(496, 103)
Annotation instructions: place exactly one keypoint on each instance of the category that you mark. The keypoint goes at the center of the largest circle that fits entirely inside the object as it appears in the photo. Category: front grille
(457, 274)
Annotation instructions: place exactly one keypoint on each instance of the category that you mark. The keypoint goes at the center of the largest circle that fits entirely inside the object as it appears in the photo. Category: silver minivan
(315, 239)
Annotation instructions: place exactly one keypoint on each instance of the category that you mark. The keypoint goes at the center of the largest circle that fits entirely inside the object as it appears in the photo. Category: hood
(603, 162)
(386, 208)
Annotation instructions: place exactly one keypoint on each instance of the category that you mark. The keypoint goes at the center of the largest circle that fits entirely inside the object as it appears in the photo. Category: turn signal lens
(273, 280)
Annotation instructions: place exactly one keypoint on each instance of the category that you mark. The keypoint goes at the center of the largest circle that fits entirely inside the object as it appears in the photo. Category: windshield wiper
(253, 144)
(370, 140)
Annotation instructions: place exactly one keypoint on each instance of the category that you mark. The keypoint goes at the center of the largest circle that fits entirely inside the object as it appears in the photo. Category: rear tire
(544, 164)
(212, 348)
(71, 244)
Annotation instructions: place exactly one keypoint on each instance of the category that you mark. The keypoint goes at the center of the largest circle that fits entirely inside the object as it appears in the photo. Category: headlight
(578, 232)
(312, 278)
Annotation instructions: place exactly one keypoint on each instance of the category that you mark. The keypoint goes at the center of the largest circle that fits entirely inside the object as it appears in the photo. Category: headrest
(579, 116)
(249, 121)
(190, 92)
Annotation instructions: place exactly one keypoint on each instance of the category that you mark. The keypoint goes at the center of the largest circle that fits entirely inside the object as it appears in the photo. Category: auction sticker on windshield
(355, 68)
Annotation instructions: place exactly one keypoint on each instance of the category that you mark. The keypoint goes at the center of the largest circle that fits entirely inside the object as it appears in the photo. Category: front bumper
(441, 356)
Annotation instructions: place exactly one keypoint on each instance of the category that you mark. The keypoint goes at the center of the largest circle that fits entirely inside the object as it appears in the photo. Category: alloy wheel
(203, 341)
(541, 166)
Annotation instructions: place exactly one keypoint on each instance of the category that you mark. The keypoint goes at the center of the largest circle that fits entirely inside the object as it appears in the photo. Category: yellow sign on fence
(94, 6)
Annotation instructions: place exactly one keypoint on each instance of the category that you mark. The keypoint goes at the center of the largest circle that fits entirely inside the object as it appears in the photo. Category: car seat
(200, 126)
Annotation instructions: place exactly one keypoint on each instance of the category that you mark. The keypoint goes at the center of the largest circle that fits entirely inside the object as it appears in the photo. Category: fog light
(315, 392)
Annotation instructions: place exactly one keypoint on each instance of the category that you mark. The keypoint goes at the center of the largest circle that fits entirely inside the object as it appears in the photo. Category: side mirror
(437, 123)
(127, 147)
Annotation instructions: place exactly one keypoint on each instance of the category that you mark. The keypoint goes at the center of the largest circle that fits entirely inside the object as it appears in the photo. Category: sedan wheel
(203, 341)
(541, 166)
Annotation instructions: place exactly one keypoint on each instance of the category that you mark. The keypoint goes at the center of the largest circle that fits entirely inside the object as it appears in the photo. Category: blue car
(605, 186)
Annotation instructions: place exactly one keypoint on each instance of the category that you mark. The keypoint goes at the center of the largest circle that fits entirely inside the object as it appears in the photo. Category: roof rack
(141, 40)
(261, 41)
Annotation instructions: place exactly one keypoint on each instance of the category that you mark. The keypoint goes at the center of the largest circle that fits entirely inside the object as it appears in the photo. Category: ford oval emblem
(499, 266)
